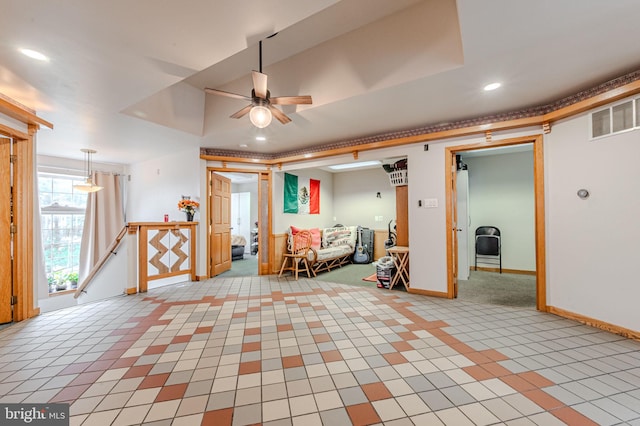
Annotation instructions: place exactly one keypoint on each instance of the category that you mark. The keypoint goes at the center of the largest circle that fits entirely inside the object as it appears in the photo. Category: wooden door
(220, 244)
(5, 234)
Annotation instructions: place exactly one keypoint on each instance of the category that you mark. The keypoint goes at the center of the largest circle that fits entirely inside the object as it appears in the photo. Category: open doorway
(248, 210)
(451, 166)
(496, 226)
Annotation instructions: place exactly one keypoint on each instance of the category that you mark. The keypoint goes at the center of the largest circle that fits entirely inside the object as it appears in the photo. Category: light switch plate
(430, 203)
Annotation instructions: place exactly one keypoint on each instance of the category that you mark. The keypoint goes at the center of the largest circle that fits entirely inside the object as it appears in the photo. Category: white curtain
(103, 220)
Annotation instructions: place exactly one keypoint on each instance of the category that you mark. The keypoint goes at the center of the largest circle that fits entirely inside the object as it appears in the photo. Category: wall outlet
(378, 218)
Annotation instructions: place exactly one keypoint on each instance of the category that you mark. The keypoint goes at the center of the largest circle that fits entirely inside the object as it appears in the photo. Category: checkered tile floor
(254, 350)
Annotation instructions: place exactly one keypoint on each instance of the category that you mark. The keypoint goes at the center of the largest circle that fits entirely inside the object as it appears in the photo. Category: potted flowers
(189, 207)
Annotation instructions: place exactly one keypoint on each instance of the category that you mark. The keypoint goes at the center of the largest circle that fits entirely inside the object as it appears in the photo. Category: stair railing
(96, 268)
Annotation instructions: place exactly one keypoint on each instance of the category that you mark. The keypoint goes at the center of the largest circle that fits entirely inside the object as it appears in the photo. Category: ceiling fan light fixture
(260, 116)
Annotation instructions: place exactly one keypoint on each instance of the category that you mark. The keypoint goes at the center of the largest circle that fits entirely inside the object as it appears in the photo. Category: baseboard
(427, 292)
(612, 328)
(504, 271)
(201, 278)
(130, 291)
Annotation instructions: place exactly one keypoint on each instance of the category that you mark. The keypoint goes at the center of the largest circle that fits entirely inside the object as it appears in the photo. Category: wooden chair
(299, 247)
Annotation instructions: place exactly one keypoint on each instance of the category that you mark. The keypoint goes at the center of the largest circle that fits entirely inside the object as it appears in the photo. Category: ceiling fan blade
(244, 111)
(227, 94)
(291, 100)
(259, 84)
(279, 115)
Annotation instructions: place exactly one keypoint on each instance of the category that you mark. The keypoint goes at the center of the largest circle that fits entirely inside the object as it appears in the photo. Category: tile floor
(254, 350)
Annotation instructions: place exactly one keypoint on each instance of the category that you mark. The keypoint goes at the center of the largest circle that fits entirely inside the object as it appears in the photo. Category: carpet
(499, 289)
(349, 274)
(373, 278)
(247, 267)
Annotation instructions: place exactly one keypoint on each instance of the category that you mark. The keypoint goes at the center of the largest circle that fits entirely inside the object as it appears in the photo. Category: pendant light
(88, 185)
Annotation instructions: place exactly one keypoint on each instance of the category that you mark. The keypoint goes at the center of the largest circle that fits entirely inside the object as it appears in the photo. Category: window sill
(62, 292)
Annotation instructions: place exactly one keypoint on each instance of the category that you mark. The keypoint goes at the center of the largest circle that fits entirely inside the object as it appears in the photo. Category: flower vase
(189, 217)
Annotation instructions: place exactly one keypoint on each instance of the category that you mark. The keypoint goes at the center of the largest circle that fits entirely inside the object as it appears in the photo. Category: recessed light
(261, 138)
(244, 145)
(491, 86)
(34, 54)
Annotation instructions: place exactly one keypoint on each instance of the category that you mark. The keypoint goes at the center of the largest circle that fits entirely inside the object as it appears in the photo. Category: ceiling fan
(261, 109)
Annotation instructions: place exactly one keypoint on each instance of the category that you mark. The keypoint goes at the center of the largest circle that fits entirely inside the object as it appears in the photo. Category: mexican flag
(301, 195)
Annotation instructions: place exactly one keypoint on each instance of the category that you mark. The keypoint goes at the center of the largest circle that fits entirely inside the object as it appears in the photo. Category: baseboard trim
(201, 278)
(130, 291)
(428, 292)
(612, 328)
(508, 271)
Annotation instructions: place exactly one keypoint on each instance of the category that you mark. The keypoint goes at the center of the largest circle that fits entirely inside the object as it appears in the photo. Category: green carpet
(247, 267)
(499, 289)
(350, 274)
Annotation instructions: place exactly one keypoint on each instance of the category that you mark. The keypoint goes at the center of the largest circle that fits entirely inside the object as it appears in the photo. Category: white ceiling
(126, 77)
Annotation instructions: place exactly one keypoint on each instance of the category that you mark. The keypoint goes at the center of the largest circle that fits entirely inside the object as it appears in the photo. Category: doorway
(249, 222)
(451, 166)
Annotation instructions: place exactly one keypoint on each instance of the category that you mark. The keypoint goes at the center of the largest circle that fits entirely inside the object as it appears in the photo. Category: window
(622, 117)
(615, 119)
(62, 210)
(600, 123)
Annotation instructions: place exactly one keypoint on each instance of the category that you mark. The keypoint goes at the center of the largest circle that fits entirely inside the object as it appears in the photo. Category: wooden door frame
(23, 285)
(263, 269)
(538, 181)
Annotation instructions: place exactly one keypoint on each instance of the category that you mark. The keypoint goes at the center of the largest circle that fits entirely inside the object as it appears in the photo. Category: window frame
(635, 118)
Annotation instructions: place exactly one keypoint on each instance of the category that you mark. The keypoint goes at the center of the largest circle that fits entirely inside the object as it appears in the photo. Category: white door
(241, 216)
(462, 189)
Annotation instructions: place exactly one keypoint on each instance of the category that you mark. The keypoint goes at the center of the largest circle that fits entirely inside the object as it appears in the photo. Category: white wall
(157, 185)
(251, 188)
(112, 278)
(592, 244)
(427, 226)
(355, 198)
(501, 194)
